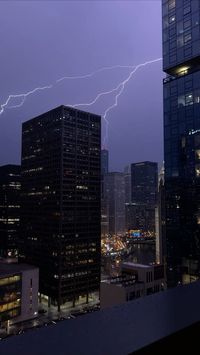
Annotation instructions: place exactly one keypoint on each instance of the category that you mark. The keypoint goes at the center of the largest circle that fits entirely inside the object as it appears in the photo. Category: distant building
(127, 182)
(104, 205)
(18, 292)
(181, 56)
(141, 217)
(104, 161)
(160, 221)
(115, 198)
(61, 203)
(144, 181)
(10, 188)
(136, 281)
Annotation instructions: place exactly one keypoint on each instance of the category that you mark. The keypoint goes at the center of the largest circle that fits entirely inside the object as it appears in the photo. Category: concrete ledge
(118, 330)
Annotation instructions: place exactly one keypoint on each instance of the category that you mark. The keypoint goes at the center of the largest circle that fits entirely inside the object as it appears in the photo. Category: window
(172, 19)
(172, 4)
(187, 38)
(189, 99)
(187, 24)
(186, 10)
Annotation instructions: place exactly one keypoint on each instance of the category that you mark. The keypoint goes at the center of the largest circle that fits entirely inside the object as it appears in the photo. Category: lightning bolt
(24, 96)
(94, 72)
(21, 96)
(119, 89)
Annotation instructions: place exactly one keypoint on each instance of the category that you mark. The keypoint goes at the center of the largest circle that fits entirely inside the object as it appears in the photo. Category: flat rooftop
(118, 330)
(122, 281)
(136, 266)
(12, 268)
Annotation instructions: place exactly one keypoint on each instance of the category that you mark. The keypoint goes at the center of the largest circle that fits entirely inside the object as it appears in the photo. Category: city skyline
(73, 58)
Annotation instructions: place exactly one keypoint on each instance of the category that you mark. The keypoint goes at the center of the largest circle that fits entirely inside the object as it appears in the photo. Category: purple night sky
(42, 41)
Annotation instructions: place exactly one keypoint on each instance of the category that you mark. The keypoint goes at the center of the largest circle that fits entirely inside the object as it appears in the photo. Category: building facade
(18, 292)
(181, 54)
(61, 196)
(104, 206)
(127, 181)
(140, 217)
(115, 200)
(104, 161)
(10, 188)
(144, 181)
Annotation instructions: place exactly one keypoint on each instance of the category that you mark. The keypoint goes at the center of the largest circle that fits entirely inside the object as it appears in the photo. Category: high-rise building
(115, 199)
(127, 182)
(10, 186)
(104, 161)
(140, 217)
(160, 220)
(144, 180)
(61, 193)
(181, 63)
(104, 206)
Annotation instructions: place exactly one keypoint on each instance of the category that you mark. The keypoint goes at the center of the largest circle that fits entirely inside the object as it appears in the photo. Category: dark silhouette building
(181, 63)
(10, 186)
(140, 217)
(104, 161)
(60, 219)
(127, 181)
(144, 180)
(115, 200)
(104, 206)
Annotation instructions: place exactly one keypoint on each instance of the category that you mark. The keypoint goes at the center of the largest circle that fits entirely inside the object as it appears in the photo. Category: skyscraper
(10, 186)
(60, 219)
(144, 179)
(181, 63)
(104, 205)
(115, 199)
(127, 181)
(104, 161)
(160, 220)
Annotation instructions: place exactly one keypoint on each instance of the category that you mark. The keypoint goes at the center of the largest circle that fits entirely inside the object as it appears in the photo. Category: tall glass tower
(181, 63)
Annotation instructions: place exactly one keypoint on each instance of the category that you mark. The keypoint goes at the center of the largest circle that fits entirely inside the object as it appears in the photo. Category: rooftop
(13, 268)
(136, 266)
(123, 280)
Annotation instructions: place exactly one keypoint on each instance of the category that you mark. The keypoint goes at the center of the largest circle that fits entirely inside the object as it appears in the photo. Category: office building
(104, 206)
(61, 196)
(10, 186)
(18, 292)
(144, 180)
(115, 199)
(127, 182)
(181, 58)
(160, 220)
(140, 217)
(104, 161)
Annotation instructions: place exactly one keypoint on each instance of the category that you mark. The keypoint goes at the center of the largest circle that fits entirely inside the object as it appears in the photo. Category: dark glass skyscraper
(144, 180)
(115, 200)
(104, 161)
(60, 219)
(181, 62)
(10, 186)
